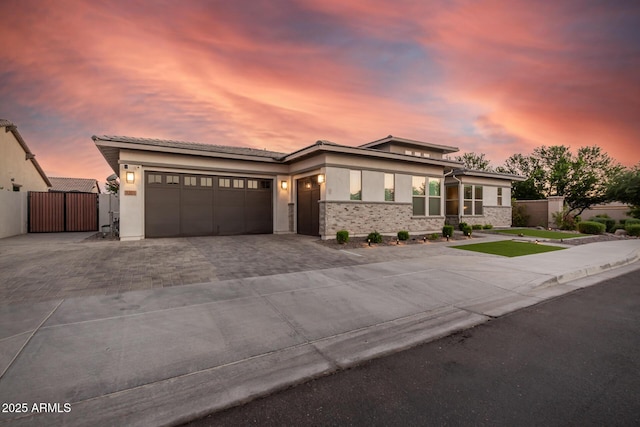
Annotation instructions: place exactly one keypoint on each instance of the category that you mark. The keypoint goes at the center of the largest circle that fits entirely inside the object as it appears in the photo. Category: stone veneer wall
(361, 218)
(498, 216)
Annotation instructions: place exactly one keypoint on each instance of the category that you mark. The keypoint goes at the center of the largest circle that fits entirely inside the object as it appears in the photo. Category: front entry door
(308, 195)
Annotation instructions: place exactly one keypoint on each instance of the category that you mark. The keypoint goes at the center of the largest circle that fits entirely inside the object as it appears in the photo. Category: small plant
(564, 221)
(435, 236)
(467, 231)
(447, 231)
(342, 236)
(633, 229)
(476, 226)
(403, 235)
(487, 226)
(462, 226)
(374, 237)
(591, 227)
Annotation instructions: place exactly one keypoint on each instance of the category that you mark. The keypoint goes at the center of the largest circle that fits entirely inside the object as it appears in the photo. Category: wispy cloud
(489, 76)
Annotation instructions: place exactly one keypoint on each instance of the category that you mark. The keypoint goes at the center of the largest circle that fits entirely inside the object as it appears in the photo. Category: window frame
(425, 201)
(474, 200)
(358, 194)
(390, 191)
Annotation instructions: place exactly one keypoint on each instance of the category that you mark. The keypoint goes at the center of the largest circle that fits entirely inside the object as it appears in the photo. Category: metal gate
(57, 212)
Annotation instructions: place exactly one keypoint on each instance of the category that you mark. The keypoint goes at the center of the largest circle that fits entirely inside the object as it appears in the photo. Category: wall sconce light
(320, 179)
(284, 185)
(130, 177)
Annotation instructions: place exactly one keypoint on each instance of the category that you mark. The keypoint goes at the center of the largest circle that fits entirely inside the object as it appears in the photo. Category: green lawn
(508, 248)
(543, 234)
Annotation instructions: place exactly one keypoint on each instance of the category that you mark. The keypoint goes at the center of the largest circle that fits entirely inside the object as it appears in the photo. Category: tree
(583, 178)
(625, 188)
(474, 161)
(529, 167)
(112, 185)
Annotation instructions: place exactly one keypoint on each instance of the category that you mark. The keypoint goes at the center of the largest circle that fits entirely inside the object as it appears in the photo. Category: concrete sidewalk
(164, 356)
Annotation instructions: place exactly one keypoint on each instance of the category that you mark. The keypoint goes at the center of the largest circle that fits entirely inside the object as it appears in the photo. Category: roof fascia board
(484, 174)
(185, 151)
(389, 139)
(358, 151)
(30, 156)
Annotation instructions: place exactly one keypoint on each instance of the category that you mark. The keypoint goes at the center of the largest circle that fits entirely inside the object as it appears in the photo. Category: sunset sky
(494, 77)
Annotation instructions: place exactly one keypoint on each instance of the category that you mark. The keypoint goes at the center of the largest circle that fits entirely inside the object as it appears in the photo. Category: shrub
(633, 229)
(487, 226)
(447, 231)
(436, 236)
(342, 236)
(403, 235)
(630, 221)
(476, 227)
(591, 227)
(609, 223)
(564, 221)
(462, 226)
(374, 237)
(467, 230)
(519, 217)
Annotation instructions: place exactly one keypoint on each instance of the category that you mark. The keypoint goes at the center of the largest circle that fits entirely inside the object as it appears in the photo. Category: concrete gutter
(162, 357)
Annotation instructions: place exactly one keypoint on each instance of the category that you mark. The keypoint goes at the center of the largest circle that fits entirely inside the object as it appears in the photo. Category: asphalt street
(572, 360)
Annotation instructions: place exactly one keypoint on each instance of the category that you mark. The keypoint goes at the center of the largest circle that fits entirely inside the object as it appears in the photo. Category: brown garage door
(202, 205)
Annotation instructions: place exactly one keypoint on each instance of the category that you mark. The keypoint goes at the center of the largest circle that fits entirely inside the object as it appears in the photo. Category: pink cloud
(493, 77)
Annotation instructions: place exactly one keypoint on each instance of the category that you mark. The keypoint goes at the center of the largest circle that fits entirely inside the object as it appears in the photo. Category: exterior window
(453, 201)
(190, 181)
(173, 179)
(499, 196)
(424, 201)
(355, 185)
(418, 190)
(252, 183)
(238, 183)
(206, 182)
(154, 179)
(477, 209)
(224, 182)
(408, 152)
(434, 197)
(417, 153)
(389, 187)
(472, 200)
(265, 184)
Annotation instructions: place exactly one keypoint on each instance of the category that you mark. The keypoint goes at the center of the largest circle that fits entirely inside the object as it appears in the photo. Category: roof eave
(30, 156)
(336, 148)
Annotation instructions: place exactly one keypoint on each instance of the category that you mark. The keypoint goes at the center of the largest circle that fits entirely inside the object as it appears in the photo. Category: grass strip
(544, 234)
(508, 248)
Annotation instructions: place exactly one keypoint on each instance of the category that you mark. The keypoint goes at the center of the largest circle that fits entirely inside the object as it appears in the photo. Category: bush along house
(171, 188)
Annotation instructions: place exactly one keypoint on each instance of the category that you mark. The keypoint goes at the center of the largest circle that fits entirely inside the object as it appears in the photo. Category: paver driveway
(36, 267)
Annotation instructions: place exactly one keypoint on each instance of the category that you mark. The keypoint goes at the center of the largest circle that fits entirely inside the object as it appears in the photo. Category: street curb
(586, 272)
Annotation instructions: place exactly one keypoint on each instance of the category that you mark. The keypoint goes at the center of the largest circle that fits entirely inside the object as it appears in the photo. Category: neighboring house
(76, 185)
(171, 188)
(19, 169)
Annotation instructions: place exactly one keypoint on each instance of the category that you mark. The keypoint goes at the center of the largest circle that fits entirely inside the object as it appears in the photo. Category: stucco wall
(361, 218)
(13, 165)
(13, 213)
(107, 203)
